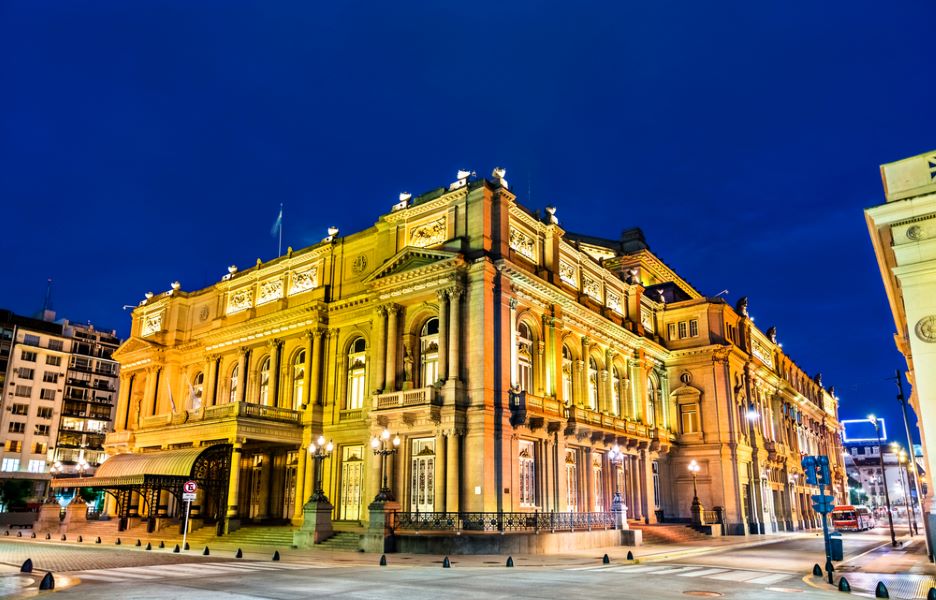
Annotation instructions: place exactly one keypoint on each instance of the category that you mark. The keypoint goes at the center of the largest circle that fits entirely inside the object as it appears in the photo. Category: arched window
(651, 402)
(298, 380)
(198, 389)
(429, 352)
(524, 357)
(232, 384)
(567, 375)
(592, 384)
(263, 397)
(357, 374)
(615, 392)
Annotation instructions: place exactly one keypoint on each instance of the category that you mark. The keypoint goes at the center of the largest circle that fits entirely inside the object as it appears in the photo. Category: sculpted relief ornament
(762, 353)
(303, 281)
(239, 300)
(428, 234)
(613, 301)
(926, 329)
(152, 324)
(522, 244)
(270, 291)
(567, 273)
(592, 288)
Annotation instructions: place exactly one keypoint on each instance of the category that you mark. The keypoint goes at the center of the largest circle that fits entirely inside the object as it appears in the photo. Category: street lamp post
(696, 508)
(903, 469)
(890, 516)
(319, 452)
(382, 447)
(616, 456)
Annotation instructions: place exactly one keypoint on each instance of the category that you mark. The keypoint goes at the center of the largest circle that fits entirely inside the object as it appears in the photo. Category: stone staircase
(257, 535)
(666, 533)
(343, 540)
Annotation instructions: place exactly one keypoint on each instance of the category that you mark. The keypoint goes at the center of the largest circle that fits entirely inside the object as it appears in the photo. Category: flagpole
(280, 250)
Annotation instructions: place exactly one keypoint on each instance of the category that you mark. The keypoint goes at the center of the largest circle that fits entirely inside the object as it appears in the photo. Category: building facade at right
(903, 233)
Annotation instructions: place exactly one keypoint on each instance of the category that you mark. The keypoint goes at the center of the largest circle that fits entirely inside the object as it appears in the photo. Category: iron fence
(502, 521)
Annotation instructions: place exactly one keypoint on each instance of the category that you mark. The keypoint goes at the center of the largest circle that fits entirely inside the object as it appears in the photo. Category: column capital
(274, 344)
(443, 295)
(331, 333)
(392, 309)
(512, 302)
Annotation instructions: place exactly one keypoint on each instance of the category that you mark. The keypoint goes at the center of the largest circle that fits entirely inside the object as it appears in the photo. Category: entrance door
(289, 486)
(352, 468)
(256, 488)
(422, 482)
(571, 481)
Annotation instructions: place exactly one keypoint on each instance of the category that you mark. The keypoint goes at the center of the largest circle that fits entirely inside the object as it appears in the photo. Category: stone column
(452, 472)
(110, 506)
(646, 472)
(636, 489)
(551, 373)
(380, 349)
(443, 333)
(276, 349)
(312, 367)
(514, 367)
(210, 390)
(584, 395)
(440, 472)
(392, 339)
(589, 496)
(241, 375)
(454, 366)
(149, 393)
(604, 398)
(123, 401)
(232, 523)
(301, 477)
(610, 406)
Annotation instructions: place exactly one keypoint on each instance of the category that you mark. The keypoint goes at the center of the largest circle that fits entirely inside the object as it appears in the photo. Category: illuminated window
(357, 374)
(524, 357)
(298, 379)
(689, 417)
(232, 384)
(592, 384)
(527, 474)
(599, 484)
(567, 375)
(694, 328)
(682, 329)
(10, 464)
(264, 396)
(198, 389)
(36, 466)
(429, 352)
(571, 481)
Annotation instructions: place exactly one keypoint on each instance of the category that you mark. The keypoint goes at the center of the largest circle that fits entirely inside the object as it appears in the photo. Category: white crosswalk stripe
(195, 569)
(722, 574)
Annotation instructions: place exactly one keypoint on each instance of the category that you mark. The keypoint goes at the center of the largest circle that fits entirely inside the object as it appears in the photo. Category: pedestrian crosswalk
(722, 574)
(183, 570)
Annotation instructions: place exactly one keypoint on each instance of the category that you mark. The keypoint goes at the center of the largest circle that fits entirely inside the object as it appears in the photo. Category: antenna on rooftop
(47, 304)
(721, 292)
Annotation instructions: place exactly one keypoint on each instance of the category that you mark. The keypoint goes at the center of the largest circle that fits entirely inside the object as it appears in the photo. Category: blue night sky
(143, 142)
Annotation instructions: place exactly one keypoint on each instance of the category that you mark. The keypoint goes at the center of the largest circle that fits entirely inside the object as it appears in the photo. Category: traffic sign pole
(188, 508)
(188, 494)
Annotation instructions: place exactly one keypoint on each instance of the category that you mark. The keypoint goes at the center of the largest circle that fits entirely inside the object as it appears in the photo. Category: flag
(194, 400)
(171, 400)
(278, 224)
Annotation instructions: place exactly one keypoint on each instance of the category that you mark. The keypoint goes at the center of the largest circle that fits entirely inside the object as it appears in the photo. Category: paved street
(740, 571)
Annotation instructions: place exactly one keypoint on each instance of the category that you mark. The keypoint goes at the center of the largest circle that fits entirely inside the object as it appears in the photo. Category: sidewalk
(905, 571)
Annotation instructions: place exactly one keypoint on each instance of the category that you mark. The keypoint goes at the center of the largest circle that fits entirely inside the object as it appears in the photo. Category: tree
(14, 492)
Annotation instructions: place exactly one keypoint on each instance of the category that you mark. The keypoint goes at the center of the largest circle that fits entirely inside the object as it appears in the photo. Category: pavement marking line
(679, 571)
(636, 569)
(703, 573)
(768, 579)
(737, 575)
(102, 578)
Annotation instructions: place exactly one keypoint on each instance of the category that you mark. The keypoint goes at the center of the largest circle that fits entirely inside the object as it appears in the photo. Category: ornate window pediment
(270, 291)
(152, 324)
(302, 281)
(239, 300)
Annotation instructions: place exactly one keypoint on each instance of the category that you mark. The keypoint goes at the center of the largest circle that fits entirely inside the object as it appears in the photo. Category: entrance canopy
(134, 469)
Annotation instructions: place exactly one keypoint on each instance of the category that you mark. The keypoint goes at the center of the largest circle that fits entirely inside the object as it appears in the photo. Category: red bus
(852, 518)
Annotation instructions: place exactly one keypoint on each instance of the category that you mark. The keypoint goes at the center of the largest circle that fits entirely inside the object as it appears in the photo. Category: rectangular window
(41, 430)
(682, 329)
(20, 409)
(36, 466)
(55, 361)
(28, 356)
(23, 391)
(46, 394)
(49, 377)
(671, 331)
(656, 484)
(14, 445)
(10, 464)
(40, 448)
(25, 373)
(55, 344)
(527, 474)
(689, 417)
(694, 328)
(31, 340)
(44, 412)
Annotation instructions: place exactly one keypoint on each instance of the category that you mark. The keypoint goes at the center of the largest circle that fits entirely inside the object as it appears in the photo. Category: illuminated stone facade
(903, 233)
(509, 356)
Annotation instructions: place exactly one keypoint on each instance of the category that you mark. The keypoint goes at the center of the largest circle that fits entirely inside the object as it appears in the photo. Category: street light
(383, 448)
(616, 456)
(319, 453)
(890, 516)
(905, 485)
(82, 467)
(694, 469)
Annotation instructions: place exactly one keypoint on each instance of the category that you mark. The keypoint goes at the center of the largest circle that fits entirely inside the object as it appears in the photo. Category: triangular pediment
(133, 345)
(412, 260)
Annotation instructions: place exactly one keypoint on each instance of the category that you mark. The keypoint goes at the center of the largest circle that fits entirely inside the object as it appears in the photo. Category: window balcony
(427, 396)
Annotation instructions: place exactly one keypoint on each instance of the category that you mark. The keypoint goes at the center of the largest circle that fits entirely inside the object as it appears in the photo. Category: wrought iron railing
(417, 397)
(502, 521)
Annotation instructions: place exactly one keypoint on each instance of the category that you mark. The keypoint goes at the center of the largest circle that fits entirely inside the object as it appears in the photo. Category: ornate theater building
(514, 366)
